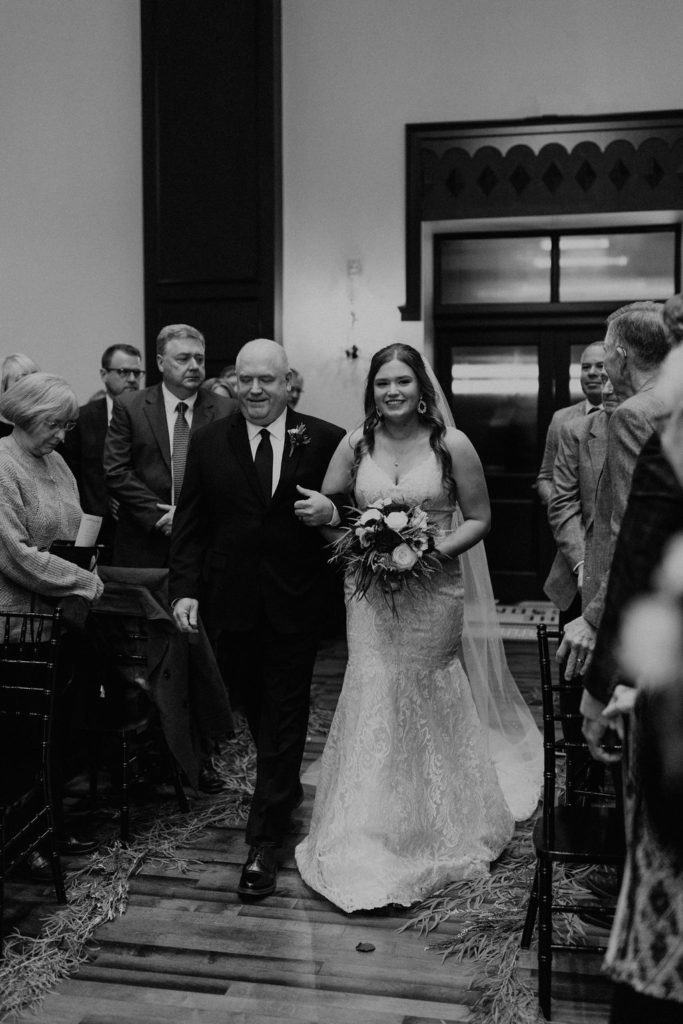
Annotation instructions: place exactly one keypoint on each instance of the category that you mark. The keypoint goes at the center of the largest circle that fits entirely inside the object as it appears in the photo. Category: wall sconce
(354, 271)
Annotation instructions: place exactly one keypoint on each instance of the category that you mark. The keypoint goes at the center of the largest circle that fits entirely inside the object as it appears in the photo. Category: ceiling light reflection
(500, 379)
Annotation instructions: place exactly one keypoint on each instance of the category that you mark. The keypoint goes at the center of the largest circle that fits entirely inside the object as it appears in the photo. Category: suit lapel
(100, 422)
(597, 446)
(156, 416)
(290, 456)
(203, 411)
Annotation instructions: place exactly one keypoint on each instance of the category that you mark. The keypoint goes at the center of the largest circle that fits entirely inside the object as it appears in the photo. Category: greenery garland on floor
(492, 911)
(98, 892)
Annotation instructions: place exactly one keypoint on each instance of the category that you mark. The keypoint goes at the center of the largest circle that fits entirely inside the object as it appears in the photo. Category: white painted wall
(70, 183)
(356, 71)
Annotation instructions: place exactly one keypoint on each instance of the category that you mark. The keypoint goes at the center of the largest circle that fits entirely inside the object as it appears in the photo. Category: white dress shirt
(277, 431)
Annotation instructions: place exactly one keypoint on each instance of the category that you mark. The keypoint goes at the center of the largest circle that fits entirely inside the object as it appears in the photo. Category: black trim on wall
(543, 166)
(212, 171)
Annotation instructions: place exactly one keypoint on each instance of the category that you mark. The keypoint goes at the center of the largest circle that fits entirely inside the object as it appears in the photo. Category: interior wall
(71, 271)
(355, 72)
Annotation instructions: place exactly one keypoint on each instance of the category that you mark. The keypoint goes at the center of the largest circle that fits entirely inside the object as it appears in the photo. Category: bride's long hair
(431, 416)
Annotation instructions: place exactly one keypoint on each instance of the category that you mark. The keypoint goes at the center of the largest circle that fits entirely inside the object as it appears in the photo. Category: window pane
(495, 270)
(622, 267)
(495, 402)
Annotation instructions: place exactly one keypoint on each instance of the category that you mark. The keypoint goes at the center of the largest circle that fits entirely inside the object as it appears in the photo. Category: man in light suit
(120, 370)
(653, 515)
(591, 384)
(578, 465)
(244, 555)
(635, 346)
(141, 472)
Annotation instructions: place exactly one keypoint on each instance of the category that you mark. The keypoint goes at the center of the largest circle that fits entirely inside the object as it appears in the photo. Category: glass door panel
(503, 269)
(504, 382)
(494, 392)
(620, 267)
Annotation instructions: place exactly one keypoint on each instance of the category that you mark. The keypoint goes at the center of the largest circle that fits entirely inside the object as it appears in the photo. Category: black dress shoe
(37, 867)
(209, 780)
(259, 872)
(75, 845)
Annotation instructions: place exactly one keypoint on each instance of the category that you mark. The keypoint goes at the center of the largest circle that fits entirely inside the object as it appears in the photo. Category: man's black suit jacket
(84, 451)
(242, 556)
(137, 464)
(653, 515)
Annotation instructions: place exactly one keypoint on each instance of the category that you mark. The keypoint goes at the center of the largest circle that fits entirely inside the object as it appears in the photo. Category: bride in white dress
(426, 767)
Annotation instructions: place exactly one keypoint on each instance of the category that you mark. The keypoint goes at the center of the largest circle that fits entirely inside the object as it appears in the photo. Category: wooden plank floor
(188, 951)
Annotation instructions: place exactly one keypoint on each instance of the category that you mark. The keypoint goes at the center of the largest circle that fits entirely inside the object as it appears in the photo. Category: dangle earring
(378, 414)
(422, 407)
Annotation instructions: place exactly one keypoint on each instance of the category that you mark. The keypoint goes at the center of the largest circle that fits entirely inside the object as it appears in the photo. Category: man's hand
(599, 735)
(314, 509)
(621, 704)
(185, 612)
(165, 524)
(577, 646)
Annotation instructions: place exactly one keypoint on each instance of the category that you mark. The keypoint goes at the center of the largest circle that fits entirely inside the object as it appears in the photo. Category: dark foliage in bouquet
(390, 544)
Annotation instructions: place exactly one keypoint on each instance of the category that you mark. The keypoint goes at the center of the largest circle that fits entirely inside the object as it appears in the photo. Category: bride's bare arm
(338, 477)
(473, 496)
(315, 508)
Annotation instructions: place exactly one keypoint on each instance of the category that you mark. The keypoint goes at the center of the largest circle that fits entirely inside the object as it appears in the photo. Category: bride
(432, 753)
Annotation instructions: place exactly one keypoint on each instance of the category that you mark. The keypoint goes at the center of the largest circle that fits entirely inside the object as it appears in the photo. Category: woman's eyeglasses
(55, 425)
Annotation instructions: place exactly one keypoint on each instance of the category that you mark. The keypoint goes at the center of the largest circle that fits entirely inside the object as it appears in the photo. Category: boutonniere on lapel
(297, 438)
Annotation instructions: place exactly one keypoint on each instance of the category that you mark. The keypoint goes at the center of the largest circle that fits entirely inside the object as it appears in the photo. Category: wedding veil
(515, 743)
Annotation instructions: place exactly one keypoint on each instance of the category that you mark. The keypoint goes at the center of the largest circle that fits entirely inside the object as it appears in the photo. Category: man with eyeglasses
(121, 371)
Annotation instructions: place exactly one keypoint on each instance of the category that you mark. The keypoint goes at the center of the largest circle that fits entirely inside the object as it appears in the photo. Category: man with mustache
(146, 446)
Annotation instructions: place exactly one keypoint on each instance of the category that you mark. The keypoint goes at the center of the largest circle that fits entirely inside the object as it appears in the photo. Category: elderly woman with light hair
(39, 505)
(39, 501)
(12, 369)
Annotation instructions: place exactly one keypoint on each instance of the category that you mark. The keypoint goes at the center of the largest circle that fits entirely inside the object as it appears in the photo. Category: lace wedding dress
(408, 796)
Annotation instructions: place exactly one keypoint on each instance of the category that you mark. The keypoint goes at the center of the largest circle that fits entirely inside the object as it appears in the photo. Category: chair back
(29, 648)
(562, 736)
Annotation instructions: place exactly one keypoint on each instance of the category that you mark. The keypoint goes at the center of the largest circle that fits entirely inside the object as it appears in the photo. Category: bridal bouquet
(390, 543)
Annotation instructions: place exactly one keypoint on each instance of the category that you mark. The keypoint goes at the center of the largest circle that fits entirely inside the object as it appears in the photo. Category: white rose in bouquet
(403, 557)
(371, 515)
(397, 521)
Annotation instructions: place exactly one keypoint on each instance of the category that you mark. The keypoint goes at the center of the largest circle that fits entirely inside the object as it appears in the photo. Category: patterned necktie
(263, 463)
(181, 439)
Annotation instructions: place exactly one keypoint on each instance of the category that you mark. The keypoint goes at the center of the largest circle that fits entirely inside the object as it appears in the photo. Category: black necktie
(263, 462)
(181, 439)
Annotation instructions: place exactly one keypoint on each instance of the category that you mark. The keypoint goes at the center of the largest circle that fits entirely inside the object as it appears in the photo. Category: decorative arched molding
(537, 167)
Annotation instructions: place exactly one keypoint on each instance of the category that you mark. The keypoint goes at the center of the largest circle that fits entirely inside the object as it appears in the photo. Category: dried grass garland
(492, 912)
(98, 892)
